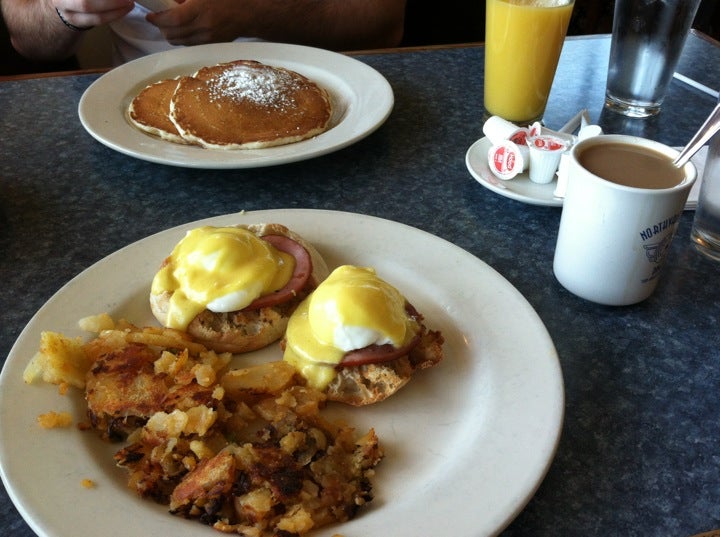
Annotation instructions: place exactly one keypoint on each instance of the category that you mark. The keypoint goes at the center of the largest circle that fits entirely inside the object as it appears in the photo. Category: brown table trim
(52, 74)
(702, 35)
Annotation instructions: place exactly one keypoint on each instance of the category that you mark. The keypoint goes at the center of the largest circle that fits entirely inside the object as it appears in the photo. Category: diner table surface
(639, 450)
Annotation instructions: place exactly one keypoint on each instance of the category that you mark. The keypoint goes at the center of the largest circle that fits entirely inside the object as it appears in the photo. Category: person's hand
(196, 22)
(87, 13)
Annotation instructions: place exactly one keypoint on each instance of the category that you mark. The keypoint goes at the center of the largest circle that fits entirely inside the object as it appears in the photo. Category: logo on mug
(656, 252)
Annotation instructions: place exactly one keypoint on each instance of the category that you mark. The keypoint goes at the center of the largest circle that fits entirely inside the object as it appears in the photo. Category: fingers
(195, 22)
(181, 26)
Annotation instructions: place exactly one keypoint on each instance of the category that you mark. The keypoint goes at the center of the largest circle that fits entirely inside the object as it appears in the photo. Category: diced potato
(171, 424)
(204, 375)
(196, 420)
(97, 323)
(54, 420)
(201, 450)
(256, 504)
(297, 520)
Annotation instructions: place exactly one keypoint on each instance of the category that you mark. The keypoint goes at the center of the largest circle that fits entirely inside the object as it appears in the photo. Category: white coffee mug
(613, 237)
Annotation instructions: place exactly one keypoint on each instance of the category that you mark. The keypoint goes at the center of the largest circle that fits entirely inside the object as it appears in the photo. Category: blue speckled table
(639, 452)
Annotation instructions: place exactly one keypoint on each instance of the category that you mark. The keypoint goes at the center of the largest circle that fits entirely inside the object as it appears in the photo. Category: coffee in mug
(631, 165)
(623, 202)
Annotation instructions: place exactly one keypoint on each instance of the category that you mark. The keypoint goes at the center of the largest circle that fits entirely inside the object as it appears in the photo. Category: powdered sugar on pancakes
(246, 104)
(264, 87)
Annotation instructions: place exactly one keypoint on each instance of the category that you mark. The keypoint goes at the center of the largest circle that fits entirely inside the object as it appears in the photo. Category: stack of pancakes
(242, 104)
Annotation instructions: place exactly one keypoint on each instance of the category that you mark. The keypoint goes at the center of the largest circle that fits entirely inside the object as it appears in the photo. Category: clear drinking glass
(706, 225)
(647, 39)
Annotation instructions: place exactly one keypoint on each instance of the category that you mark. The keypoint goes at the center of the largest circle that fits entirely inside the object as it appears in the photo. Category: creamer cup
(507, 159)
(545, 152)
(498, 130)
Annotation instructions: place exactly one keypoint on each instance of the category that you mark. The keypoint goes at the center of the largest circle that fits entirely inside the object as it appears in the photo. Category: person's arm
(37, 30)
(331, 24)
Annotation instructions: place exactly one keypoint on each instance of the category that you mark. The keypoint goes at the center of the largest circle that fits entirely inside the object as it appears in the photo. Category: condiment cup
(508, 159)
(498, 130)
(545, 152)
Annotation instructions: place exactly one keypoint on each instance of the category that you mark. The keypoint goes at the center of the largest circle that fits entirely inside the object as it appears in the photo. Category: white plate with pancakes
(466, 443)
(362, 100)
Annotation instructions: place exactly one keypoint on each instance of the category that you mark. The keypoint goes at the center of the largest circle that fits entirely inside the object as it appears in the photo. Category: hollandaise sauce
(221, 269)
(352, 309)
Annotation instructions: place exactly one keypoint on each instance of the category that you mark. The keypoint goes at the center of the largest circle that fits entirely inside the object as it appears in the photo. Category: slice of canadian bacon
(299, 278)
(377, 354)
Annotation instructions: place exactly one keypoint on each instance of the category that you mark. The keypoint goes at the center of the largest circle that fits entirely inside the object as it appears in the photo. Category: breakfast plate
(521, 188)
(362, 100)
(466, 443)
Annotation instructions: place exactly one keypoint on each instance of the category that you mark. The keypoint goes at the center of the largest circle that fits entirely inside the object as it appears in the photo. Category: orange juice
(523, 40)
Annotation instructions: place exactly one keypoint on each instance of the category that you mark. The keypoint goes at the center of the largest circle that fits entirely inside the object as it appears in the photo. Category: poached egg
(352, 309)
(221, 269)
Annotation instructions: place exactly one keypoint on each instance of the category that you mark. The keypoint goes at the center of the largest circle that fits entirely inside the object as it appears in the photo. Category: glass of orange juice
(523, 41)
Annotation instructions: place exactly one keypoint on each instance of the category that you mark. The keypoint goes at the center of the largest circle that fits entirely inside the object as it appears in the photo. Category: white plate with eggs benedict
(361, 99)
(466, 443)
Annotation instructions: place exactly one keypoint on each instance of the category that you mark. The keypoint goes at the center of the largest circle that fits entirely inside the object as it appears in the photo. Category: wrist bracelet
(70, 25)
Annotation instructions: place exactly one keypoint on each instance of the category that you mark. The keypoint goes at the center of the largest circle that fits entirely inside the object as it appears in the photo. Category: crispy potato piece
(166, 338)
(267, 378)
(60, 360)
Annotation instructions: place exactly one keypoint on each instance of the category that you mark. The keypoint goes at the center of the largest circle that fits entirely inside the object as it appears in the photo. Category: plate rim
(352, 74)
(497, 521)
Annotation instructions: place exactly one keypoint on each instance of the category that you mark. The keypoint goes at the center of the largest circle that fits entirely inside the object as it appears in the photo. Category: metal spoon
(708, 129)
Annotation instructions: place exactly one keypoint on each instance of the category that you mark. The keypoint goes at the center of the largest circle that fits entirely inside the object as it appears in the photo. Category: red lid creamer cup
(545, 152)
(498, 130)
(508, 159)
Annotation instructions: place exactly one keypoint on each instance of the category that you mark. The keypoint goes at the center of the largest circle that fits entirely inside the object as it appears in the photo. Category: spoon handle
(708, 129)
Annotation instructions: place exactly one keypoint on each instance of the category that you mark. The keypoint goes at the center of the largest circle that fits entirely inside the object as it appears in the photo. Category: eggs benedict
(233, 288)
(357, 338)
